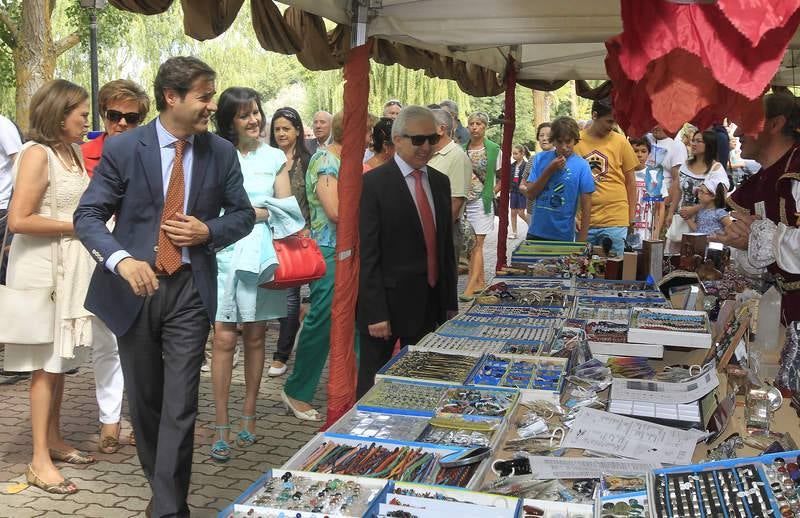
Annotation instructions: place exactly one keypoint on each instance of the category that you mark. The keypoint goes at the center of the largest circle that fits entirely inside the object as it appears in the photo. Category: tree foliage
(132, 46)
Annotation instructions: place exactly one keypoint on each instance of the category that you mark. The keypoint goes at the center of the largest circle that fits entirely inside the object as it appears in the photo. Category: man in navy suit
(155, 284)
(407, 284)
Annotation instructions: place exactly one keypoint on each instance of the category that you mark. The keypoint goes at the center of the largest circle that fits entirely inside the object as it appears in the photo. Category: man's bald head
(322, 126)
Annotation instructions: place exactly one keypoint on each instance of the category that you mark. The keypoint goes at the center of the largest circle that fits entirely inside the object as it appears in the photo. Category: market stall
(558, 393)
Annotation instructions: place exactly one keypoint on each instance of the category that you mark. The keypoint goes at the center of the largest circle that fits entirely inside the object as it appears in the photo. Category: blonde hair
(50, 106)
(123, 90)
(337, 127)
(479, 116)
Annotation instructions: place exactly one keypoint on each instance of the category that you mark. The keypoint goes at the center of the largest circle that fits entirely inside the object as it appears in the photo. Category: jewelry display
(495, 331)
(604, 312)
(666, 321)
(598, 284)
(432, 366)
(539, 374)
(376, 425)
(632, 367)
(783, 477)
(459, 432)
(641, 297)
(306, 493)
(670, 327)
(523, 297)
(393, 462)
(509, 320)
(742, 490)
(492, 310)
(535, 284)
(625, 508)
(566, 339)
(477, 402)
(459, 344)
(405, 396)
(607, 331)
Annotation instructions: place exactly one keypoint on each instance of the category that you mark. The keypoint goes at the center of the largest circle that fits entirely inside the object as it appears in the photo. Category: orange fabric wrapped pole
(342, 363)
(505, 169)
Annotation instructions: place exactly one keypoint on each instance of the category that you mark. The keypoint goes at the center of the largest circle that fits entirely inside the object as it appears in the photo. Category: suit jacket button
(155, 248)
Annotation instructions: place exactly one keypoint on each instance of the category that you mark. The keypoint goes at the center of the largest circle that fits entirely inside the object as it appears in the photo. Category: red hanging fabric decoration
(675, 63)
(342, 363)
(505, 169)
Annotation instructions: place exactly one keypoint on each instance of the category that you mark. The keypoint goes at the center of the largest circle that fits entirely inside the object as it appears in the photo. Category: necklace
(72, 166)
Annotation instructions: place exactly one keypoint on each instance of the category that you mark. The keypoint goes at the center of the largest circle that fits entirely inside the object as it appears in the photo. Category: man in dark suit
(322, 131)
(407, 283)
(155, 283)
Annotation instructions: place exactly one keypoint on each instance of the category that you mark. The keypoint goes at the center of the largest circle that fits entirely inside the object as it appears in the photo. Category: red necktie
(168, 257)
(428, 228)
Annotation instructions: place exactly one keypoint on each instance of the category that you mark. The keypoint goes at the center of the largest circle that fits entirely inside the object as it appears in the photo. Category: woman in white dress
(50, 166)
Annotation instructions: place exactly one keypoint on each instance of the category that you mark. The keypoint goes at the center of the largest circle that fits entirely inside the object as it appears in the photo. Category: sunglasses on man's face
(418, 140)
(130, 118)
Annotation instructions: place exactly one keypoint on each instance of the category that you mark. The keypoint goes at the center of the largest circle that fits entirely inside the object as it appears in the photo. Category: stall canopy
(485, 46)
(550, 41)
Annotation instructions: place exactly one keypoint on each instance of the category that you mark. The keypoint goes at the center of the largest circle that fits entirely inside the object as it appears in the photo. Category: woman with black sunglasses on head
(286, 133)
(123, 106)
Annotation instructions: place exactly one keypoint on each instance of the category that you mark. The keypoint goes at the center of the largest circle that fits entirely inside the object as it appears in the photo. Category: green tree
(30, 47)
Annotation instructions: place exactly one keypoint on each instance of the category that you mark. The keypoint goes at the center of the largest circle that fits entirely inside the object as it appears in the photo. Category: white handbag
(29, 315)
(677, 228)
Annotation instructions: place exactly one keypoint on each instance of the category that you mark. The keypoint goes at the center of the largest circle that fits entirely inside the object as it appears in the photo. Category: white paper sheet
(613, 434)
(665, 392)
(583, 467)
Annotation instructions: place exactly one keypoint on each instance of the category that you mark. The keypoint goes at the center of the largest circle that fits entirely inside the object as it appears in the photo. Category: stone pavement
(114, 485)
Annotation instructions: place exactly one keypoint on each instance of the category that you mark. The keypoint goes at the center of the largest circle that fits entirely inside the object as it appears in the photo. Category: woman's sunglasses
(130, 118)
(418, 140)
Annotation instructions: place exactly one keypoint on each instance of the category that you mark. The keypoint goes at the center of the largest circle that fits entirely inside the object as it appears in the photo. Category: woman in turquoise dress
(240, 120)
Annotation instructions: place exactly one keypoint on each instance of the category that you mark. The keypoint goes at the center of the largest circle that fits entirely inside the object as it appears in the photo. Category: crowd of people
(154, 234)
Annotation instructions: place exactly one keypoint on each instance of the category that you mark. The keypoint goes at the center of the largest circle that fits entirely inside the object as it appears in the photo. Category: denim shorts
(616, 234)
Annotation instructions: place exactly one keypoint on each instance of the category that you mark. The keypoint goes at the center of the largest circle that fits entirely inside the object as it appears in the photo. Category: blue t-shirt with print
(556, 205)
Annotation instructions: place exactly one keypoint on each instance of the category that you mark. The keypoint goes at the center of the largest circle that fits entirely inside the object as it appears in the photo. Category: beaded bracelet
(389, 394)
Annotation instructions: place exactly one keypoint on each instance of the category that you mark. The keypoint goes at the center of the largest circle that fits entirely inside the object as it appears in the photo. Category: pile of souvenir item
(557, 394)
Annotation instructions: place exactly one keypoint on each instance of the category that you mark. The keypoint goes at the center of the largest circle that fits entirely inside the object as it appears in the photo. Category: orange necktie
(168, 257)
(428, 227)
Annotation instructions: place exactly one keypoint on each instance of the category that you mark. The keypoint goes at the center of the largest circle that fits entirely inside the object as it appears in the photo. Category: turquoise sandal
(221, 450)
(246, 438)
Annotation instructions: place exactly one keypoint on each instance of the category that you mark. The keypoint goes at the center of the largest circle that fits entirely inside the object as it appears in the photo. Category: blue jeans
(616, 234)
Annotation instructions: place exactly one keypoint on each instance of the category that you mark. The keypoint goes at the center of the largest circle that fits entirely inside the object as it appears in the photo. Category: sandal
(65, 487)
(221, 450)
(71, 457)
(109, 443)
(246, 438)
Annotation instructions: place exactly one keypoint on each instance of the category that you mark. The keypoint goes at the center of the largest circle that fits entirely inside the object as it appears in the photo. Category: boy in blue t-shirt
(559, 180)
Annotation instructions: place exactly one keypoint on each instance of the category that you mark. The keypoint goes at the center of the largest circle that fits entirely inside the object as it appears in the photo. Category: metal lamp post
(93, 6)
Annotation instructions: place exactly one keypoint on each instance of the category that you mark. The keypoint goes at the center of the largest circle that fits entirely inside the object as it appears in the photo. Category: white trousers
(107, 374)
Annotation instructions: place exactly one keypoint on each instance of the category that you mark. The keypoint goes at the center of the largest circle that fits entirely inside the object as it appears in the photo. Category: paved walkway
(114, 486)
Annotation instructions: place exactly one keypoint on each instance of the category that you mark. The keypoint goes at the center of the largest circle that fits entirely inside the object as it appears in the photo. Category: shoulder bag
(300, 261)
(29, 315)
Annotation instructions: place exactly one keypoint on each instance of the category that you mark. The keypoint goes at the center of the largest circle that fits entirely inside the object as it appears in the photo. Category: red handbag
(300, 261)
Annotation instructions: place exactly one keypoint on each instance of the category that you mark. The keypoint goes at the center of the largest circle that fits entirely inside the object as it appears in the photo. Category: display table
(472, 382)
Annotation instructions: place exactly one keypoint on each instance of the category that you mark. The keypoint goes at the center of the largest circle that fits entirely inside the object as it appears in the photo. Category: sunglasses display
(419, 140)
(130, 117)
